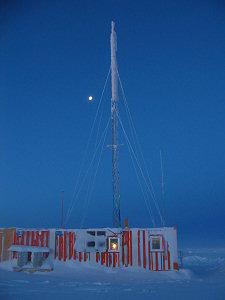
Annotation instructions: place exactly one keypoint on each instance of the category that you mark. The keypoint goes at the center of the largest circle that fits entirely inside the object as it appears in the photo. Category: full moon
(90, 98)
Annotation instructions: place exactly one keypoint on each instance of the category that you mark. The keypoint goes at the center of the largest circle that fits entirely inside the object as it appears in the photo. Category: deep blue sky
(171, 57)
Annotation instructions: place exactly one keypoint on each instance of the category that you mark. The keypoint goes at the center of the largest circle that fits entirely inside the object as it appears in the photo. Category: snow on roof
(22, 248)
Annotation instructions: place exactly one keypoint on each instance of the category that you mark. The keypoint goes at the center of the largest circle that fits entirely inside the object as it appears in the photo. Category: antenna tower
(114, 118)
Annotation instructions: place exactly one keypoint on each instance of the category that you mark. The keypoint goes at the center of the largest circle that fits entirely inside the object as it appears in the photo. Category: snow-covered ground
(202, 277)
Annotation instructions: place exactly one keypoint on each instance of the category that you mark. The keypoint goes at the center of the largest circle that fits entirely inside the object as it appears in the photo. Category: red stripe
(175, 266)
(139, 251)
(168, 256)
(70, 246)
(22, 239)
(32, 238)
(65, 247)
(161, 261)
(168, 260)
(27, 238)
(152, 261)
(131, 258)
(102, 258)
(128, 248)
(149, 255)
(144, 256)
(42, 239)
(74, 254)
(60, 247)
(156, 261)
(123, 248)
(47, 238)
(163, 256)
(107, 259)
(73, 243)
(114, 260)
(56, 245)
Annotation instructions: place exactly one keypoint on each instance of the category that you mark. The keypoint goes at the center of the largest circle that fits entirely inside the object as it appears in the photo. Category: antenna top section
(113, 25)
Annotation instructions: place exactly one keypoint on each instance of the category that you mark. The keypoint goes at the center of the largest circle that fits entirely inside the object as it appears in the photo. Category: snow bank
(71, 281)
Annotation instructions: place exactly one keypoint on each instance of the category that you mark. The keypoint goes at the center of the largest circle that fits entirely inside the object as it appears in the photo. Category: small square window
(156, 243)
(19, 232)
(91, 244)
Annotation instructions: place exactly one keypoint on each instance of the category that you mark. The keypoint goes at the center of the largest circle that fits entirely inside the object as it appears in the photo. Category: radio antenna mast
(114, 118)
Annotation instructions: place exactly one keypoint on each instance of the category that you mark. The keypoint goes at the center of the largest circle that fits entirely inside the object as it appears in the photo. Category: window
(19, 232)
(113, 244)
(156, 243)
(100, 233)
(91, 244)
(91, 233)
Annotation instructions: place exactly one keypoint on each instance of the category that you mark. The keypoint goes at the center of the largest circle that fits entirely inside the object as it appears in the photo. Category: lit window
(113, 244)
(156, 243)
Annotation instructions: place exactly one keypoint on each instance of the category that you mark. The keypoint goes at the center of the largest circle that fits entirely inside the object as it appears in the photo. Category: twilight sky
(171, 58)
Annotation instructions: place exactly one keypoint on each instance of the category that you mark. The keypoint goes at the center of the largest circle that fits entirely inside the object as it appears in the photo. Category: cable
(90, 190)
(87, 146)
(144, 195)
(134, 134)
(125, 134)
(84, 178)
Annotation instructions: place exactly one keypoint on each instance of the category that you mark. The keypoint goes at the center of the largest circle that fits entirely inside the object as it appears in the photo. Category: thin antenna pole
(62, 210)
(164, 221)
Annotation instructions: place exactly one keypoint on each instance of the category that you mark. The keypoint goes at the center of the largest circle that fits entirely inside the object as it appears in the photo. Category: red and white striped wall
(151, 259)
(153, 249)
(138, 250)
(31, 237)
(68, 247)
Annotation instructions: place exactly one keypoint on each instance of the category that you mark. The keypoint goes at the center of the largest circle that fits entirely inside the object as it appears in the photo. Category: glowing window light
(113, 244)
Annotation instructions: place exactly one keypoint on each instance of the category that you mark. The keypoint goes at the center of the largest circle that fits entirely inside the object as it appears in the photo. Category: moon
(90, 98)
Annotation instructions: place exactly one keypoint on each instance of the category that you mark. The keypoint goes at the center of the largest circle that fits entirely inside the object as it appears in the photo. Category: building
(153, 249)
